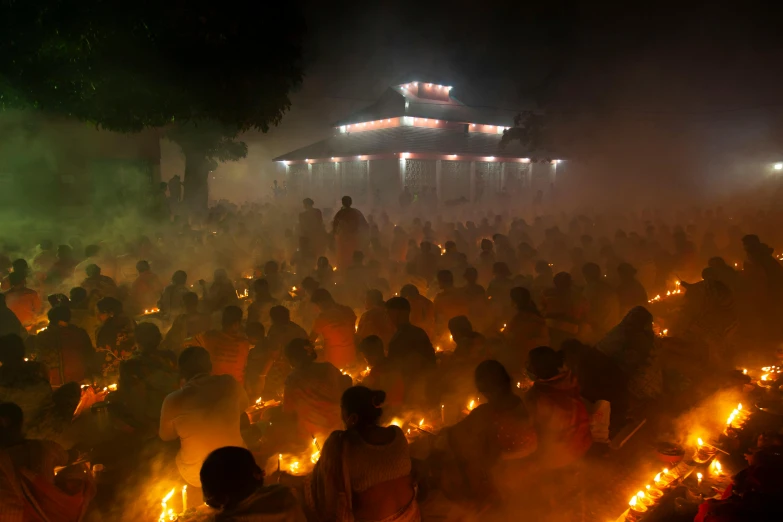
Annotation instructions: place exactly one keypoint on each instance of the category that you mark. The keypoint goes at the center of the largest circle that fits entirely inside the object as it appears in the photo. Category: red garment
(25, 303)
(450, 303)
(228, 352)
(385, 377)
(423, 314)
(67, 352)
(313, 394)
(337, 326)
(375, 321)
(561, 420)
(146, 290)
(526, 331)
(349, 227)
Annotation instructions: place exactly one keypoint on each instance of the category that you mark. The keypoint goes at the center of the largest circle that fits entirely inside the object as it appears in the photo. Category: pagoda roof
(408, 139)
(391, 104)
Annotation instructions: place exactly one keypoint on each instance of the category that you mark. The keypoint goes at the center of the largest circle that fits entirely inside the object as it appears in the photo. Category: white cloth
(204, 415)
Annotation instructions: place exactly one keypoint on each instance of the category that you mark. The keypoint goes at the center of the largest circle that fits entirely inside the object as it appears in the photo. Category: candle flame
(699, 476)
(112, 387)
(640, 494)
(259, 400)
(647, 487)
(701, 442)
(293, 289)
(739, 407)
(632, 503)
(657, 478)
(745, 371)
(665, 471)
(421, 422)
(471, 405)
(168, 496)
(765, 377)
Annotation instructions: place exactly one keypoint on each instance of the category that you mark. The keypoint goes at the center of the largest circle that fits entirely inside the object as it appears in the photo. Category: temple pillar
(472, 181)
(438, 182)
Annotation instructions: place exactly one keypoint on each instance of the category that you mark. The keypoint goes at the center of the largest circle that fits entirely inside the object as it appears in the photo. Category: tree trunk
(197, 168)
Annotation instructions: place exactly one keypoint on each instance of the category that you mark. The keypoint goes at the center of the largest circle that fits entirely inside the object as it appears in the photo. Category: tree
(201, 71)
(529, 129)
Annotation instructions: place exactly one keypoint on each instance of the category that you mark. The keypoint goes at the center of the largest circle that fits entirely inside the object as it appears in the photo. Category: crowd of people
(534, 340)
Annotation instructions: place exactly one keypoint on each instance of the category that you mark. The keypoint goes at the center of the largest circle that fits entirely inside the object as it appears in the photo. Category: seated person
(599, 379)
(375, 321)
(336, 325)
(228, 348)
(372, 460)
(498, 429)
(146, 379)
(234, 484)
(27, 478)
(422, 309)
(65, 349)
(170, 302)
(281, 333)
(383, 375)
(205, 414)
(187, 325)
(312, 392)
(25, 383)
(526, 329)
(559, 415)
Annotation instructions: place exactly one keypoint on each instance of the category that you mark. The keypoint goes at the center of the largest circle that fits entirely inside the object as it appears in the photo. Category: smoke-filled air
(390, 262)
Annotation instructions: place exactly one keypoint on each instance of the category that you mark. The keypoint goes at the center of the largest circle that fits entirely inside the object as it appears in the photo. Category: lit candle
(654, 493)
(699, 476)
(184, 498)
(443, 414)
(163, 504)
(636, 506)
(644, 499)
(717, 467)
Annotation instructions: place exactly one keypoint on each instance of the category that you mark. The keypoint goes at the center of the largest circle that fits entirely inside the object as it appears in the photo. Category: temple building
(418, 135)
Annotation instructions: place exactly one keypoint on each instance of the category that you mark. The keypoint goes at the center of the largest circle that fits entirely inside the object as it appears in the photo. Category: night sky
(685, 80)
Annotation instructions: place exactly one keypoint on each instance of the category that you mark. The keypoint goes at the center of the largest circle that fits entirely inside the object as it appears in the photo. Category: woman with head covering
(526, 329)
(559, 416)
(498, 429)
(364, 471)
(632, 345)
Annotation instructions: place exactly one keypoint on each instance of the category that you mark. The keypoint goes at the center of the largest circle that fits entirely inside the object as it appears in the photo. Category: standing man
(311, 226)
(175, 189)
(350, 232)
